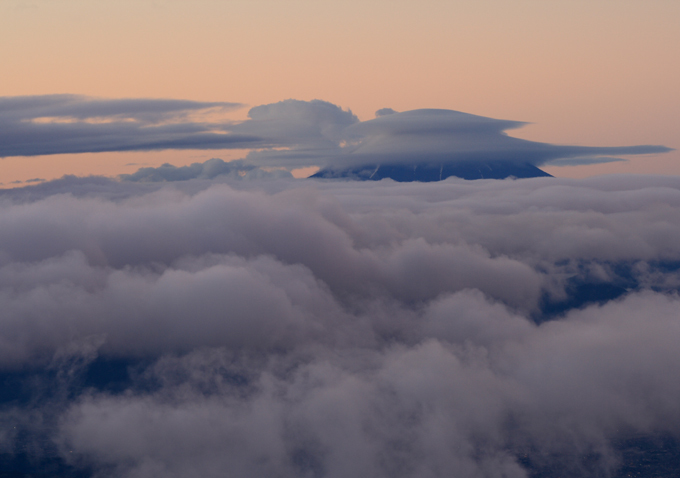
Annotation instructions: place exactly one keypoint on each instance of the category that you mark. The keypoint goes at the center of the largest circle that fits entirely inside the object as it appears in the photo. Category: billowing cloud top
(339, 329)
(287, 134)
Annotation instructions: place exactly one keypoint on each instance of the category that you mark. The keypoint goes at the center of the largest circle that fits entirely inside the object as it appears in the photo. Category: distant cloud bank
(289, 134)
(186, 323)
(57, 124)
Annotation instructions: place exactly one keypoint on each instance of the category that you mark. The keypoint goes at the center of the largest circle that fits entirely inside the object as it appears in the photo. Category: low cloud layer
(289, 328)
(288, 134)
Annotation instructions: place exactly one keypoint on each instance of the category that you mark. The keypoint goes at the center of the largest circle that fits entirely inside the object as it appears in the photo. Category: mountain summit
(435, 172)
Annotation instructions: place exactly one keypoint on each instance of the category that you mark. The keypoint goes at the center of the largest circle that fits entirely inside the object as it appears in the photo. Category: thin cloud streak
(58, 124)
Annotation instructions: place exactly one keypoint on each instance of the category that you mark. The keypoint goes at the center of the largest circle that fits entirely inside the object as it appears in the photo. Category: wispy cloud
(445, 136)
(210, 169)
(55, 124)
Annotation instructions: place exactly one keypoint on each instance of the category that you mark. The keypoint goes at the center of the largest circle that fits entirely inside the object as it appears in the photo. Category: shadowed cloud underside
(292, 134)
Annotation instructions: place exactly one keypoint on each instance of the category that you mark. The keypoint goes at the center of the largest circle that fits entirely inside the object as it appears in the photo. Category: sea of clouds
(248, 327)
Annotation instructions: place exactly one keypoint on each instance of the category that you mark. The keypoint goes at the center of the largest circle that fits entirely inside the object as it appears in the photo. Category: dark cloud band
(287, 134)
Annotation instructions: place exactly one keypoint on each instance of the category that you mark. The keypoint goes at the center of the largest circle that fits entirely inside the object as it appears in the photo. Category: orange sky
(597, 72)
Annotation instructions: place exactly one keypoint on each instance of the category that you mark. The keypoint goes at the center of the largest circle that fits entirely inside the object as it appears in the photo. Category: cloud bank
(289, 134)
(57, 124)
(213, 327)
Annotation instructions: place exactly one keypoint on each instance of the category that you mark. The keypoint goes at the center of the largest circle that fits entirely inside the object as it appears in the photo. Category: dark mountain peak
(435, 172)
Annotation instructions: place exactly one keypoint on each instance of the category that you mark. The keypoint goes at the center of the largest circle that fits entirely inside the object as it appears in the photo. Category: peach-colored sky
(596, 72)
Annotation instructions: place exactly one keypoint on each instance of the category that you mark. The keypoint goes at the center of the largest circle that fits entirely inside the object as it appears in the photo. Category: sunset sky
(601, 73)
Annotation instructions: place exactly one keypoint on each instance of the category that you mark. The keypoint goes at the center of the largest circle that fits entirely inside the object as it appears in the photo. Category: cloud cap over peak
(435, 136)
(288, 134)
(85, 107)
(432, 121)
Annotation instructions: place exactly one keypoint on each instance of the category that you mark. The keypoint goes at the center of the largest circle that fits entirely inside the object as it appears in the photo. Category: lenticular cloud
(287, 135)
(215, 327)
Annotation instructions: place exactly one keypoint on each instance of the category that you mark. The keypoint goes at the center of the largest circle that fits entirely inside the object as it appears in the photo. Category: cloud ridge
(494, 328)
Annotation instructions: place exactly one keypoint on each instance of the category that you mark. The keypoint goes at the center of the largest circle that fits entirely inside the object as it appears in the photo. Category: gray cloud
(580, 161)
(385, 112)
(54, 124)
(320, 134)
(288, 134)
(22, 108)
(445, 136)
(183, 322)
(307, 133)
(279, 327)
(210, 169)
(422, 410)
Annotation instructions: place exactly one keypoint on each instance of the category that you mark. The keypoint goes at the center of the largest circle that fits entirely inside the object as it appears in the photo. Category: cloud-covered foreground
(292, 329)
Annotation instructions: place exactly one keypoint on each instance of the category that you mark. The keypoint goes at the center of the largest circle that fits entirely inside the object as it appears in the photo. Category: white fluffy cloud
(287, 328)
